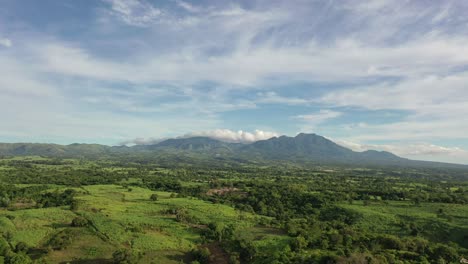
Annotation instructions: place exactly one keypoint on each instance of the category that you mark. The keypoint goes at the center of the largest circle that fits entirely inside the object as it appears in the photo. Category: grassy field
(124, 217)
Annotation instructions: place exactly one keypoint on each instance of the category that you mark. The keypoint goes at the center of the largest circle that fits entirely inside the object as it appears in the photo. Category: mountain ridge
(303, 148)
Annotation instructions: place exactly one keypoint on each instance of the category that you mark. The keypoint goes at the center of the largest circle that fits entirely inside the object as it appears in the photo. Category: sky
(384, 74)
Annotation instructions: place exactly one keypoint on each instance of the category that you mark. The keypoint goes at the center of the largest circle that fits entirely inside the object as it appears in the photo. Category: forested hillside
(302, 149)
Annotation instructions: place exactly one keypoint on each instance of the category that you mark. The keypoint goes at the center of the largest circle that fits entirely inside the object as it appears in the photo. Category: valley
(58, 210)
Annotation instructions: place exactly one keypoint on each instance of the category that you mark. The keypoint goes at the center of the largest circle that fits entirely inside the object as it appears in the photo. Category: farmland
(101, 211)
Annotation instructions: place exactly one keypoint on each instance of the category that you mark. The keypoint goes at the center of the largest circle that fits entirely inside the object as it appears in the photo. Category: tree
(61, 240)
(21, 247)
(75, 205)
(79, 222)
(154, 197)
(202, 255)
(125, 256)
(445, 252)
(20, 258)
(299, 243)
(4, 247)
(4, 202)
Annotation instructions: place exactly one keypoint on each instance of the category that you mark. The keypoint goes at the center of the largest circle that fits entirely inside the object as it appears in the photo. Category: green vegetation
(303, 149)
(56, 210)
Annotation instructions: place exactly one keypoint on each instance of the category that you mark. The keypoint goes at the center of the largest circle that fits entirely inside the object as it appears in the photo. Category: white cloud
(423, 151)
(434, 107)
(248, 66)
(142, 141)
(188, 7)
(423, 94)
(135, 12)
(235, 136)
(319, 117)
(274, 98)
(225, 135)
(242, 48)
(5, 42)
(56, 57)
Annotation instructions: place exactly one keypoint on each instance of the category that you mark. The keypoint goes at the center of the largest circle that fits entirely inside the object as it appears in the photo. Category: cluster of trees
(316, 224)
(11, 253)
(321, 240)
(34, 195)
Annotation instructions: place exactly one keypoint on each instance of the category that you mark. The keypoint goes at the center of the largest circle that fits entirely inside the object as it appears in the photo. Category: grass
(34, 226)
(126, 218)
(116, 211)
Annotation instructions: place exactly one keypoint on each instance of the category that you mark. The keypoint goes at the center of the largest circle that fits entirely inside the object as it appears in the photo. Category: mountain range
(303, 148)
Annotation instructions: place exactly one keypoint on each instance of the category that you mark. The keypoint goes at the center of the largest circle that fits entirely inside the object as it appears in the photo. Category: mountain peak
(304, 146)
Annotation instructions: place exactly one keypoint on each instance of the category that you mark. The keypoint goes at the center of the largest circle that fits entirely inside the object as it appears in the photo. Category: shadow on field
(89, 261)
(182, 258)
(58, 225)
(36, 253)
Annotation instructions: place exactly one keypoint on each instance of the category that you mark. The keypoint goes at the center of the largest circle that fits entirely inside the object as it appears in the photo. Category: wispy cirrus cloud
(319, 117)
(436, 107)
(274, 98)
(188, 7)
(134, 12)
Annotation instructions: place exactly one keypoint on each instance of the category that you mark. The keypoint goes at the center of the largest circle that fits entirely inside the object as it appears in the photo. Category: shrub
(125, 256)
(299, 243)
(390, 242)
(21, 247)
(61, 240)
(154, 197)
(202, 255)
(20, 258)
(79, 222)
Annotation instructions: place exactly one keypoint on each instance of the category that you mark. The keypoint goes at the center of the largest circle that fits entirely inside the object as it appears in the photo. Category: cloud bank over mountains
(235, 136)
(225, 135)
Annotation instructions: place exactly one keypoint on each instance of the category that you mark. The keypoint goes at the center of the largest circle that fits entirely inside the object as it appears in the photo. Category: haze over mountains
(303, 148)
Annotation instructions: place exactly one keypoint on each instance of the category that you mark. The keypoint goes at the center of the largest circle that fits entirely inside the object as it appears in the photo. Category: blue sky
(387, 75)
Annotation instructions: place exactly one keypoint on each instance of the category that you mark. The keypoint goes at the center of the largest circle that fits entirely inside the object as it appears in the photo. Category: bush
(154, 197)
(299, 243)
(61, 240)
(21, 247)
(20, 258)
(4, 202)
(334, 213)
(125, 256)
(444, 252)
(390, 242)
(79, 222)
(4, 246)
(202, 255)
